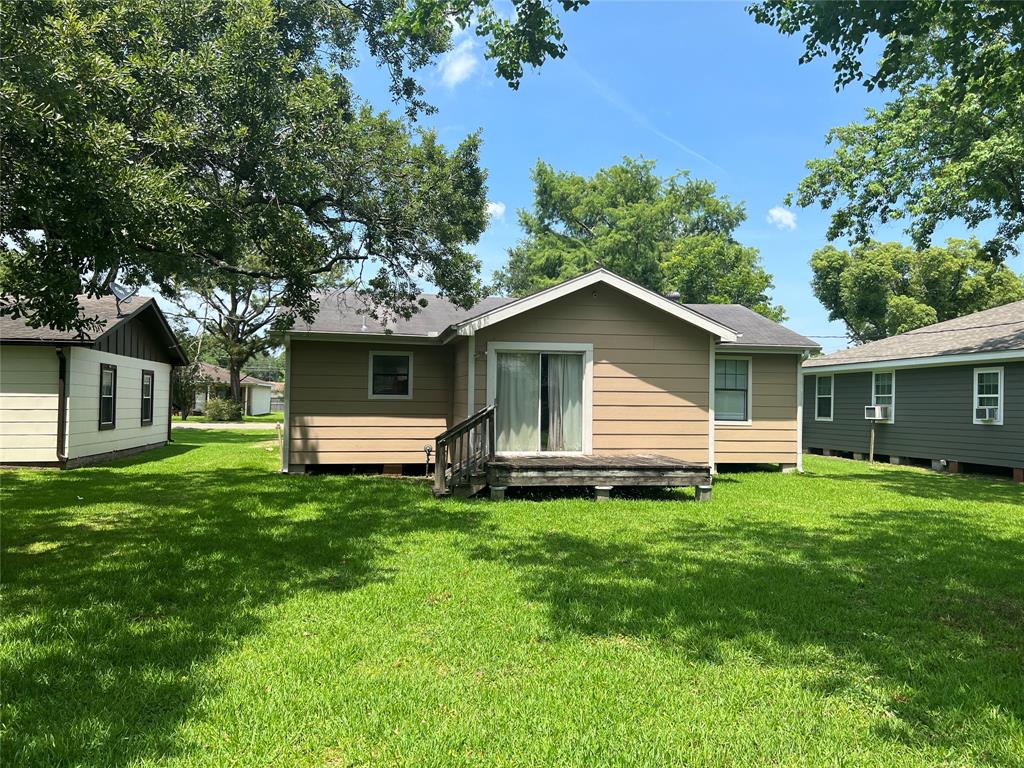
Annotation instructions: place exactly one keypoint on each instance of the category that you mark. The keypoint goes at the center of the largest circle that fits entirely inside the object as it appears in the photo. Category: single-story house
(950, 393)
(594, 367)
(68, 399)
(216, 382)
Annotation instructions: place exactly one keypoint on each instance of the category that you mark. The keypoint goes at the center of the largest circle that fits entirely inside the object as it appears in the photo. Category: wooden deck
(600, 472)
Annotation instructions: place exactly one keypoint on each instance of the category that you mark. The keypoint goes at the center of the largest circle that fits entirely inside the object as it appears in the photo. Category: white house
(67, 400)
(216, 381)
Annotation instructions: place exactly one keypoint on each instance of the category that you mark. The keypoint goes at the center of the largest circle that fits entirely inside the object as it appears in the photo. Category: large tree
(170, 142)
(671, 234)
(950, 144)
(881, 289)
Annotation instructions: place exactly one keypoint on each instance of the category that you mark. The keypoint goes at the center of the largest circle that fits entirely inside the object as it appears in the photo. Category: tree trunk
(235, 369)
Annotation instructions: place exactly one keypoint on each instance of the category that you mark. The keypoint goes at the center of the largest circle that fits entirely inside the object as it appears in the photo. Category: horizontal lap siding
(933, 417)
(771, 438)
(333, 420)
(85, 438)
(28, 404)
(650, 370)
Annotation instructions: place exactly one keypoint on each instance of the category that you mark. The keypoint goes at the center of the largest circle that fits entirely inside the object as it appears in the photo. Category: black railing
(462, 452)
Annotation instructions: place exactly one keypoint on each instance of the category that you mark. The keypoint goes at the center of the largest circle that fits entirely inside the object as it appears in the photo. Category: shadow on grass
(923, 604)
(118, 605)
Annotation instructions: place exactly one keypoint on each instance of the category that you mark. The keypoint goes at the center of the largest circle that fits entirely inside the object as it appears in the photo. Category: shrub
(218, 409)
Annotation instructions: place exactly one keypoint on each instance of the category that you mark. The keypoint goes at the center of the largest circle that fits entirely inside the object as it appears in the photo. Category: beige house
(595, 371)
(68, 400)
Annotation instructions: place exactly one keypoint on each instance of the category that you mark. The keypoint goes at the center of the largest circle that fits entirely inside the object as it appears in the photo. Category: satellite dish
(123, 293)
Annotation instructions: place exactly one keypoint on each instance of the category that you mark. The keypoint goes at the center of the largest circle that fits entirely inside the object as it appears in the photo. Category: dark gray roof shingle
(346, 312)
(755, 330)
(992, 330)
(103, 308)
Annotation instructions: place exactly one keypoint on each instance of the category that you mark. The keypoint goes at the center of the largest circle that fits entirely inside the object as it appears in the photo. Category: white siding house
(68, 401)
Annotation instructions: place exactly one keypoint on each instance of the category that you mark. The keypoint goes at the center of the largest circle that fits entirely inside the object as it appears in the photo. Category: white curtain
(565, 402)
(518, 400)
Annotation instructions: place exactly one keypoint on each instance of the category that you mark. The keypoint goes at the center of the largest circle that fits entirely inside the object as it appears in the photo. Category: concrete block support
(703, 493)
(860, 456)
(498, 492)
(602, 492)
(788, 469)
(896, 460)
(1018, 474)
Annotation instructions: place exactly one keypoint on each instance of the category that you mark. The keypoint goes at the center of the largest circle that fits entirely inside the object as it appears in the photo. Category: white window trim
(750, 392)
(494, 347)
(369, 374)
(831, 396)
(974, 403)
(892, 406)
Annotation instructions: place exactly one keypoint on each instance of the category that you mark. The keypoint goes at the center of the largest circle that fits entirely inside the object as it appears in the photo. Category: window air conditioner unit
(876, 412)
(986, 414)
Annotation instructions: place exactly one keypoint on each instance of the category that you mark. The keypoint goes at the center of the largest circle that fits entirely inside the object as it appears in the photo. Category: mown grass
(274, 417)
(192, 607)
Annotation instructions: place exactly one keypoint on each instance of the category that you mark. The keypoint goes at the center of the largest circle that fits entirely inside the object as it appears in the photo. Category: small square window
(390, 375)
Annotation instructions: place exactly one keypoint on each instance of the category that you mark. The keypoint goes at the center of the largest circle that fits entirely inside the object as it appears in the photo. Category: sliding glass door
(540, 401)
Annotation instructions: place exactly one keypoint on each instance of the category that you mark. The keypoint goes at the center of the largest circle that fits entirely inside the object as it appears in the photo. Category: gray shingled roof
(214, 373)
(991, 330)
(103, 308)
(755, 330)
(346, 312)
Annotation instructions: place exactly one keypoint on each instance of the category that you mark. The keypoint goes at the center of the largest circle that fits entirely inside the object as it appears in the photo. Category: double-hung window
(883, 392)
(732, 390)
(108, 396)
(390, 376)
(147, 398)
(988, 396)
(823, 391)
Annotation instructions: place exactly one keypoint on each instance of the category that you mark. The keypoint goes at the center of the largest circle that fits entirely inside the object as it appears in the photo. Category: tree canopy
(673, 234)
(881, 289)
(950, 144)
(156, 142)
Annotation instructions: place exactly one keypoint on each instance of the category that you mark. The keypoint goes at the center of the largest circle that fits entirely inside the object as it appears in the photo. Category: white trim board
(494, 347)
(917, 362)
(597, 276)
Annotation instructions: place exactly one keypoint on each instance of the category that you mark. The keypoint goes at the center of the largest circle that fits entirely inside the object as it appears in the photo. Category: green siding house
(950, 393)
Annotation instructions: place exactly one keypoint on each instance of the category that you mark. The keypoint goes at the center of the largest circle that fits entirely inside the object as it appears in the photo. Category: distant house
(597, 372)
(216, 382)
(68, 400)
(950, 393)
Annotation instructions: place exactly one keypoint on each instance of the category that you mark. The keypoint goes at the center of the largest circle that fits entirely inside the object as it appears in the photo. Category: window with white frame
(988, 396)
(390, 376)
(883, 392)
(732, 389)
(823, 396)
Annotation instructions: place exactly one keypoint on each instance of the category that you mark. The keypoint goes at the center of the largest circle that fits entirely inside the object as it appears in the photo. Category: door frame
(494, 347)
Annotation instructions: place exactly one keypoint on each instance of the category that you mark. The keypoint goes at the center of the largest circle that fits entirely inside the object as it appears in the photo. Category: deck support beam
(602, 492)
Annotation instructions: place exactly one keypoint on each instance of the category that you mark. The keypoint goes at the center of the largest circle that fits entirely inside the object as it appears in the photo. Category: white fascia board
(726, 349)
(471, 326)
(917, 362)
(374, 338)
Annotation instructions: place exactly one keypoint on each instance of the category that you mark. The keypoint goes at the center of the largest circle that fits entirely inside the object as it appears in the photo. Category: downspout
(62, 405)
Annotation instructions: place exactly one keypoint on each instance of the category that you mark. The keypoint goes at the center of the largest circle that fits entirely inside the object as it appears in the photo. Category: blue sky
(696, 86)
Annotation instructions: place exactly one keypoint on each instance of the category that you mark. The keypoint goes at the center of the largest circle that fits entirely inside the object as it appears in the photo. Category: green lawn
(194, 607)
(274, 417)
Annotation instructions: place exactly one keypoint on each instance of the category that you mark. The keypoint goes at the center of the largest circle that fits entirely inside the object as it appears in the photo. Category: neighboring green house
(950, 393)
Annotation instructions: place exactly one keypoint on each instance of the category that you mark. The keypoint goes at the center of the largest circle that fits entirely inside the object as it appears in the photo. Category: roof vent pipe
(674, 295)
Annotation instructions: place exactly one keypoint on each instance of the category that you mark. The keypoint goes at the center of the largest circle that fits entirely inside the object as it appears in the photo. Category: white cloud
(459, 63)
(496, 210)
(782, 218)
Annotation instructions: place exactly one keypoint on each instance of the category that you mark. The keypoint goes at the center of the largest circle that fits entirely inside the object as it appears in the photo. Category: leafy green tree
(881, 289)
(168, 142)
(950, 145)
(670, 234)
